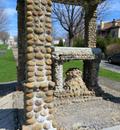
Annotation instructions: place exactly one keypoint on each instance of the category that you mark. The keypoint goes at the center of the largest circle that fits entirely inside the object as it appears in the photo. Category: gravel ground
(94, 114)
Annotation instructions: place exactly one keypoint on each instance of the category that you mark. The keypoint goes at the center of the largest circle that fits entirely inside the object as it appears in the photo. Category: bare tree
(70, 18)
(103, 10)
(4, 36)
(3, 21)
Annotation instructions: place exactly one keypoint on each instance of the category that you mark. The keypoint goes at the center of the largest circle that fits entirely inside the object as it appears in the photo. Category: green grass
(7, 67)
(103, 72)
(3, 47)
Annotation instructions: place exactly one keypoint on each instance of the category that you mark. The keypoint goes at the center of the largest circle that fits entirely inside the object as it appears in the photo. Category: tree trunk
(71, 36)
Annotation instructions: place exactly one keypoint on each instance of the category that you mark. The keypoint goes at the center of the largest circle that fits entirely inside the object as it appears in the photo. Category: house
(11, 42)
(109, 29)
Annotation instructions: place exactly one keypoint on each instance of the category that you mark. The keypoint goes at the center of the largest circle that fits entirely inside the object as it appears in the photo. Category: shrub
(78, 42)
(113, 49)
(61, 43)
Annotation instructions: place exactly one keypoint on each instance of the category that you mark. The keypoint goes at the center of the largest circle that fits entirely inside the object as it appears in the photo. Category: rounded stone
(43, 2)
(40, 13)
(29, 95)
(48, 99)
(36, 49)
(45, 89)
(46, 126)
(48, 67)
(40, 68)
(49, 9)
(49, 39)
(49, 78)
(39, 73)
(50, 105)
(48, 44)
(29, 24)
(49, 93)
(30, 36)
(51, 111)
(40, 95)
(37, 109)
(31, 63)
(40, 63)
(39, 30)
(41, 38)
(29, 19)
(30, 68)
(37, 126)
(30, 121)
(29, 102)
(43, 50)
(49, 2)
(29, 30)
(40, 79)
(48, 61)
(30, 56)
(39, 55)
(43, 113)
(48, 19)
(43, 85)
(50, 117)
(49, 50)
(37, 8)
(29, 7)
(48, 56)
(30, 42)
(29, 85)
(54, 124)
(30, 79)
(48, 25)
(49, 72)
(30, 74)
(36, 2)
(30, 49)
(29, 115)
(29, 108)
(29, 13)
(35, 13)
(29, 2)
(38, 102)
(48, 31)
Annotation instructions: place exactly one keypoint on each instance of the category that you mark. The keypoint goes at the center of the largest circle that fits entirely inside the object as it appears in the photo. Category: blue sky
(10, 7)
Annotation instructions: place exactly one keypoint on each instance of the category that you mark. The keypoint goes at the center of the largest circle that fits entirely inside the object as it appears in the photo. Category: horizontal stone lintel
(73, 53)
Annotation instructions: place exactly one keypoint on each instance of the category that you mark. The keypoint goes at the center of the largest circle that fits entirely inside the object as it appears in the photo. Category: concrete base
(113, 128)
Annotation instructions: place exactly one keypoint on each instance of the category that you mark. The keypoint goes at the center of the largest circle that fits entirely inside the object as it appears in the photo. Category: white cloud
(11, 11)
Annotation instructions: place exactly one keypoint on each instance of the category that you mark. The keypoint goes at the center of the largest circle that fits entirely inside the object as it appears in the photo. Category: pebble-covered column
(58, 68)
(38, 97)
(90, 69)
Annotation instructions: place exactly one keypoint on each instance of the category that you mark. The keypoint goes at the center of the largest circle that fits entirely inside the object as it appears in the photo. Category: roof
(109, 25)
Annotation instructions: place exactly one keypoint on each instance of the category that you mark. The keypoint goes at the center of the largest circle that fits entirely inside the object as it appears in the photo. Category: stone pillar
(58, 67)
(91, 67)
(37, 96)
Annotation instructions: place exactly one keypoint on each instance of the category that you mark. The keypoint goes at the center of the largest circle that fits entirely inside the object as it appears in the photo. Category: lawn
(7, 66)
(103, 72)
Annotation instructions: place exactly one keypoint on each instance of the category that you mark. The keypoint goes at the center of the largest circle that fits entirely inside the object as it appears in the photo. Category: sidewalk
(113, 128)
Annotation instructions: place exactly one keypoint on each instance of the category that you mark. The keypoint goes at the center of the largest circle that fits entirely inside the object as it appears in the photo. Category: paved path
(113, 128)
(109, 83)
(104, 64)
